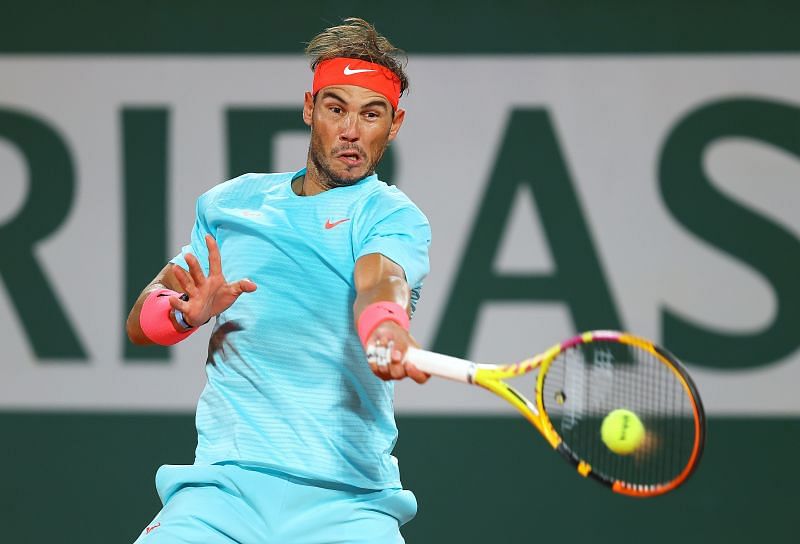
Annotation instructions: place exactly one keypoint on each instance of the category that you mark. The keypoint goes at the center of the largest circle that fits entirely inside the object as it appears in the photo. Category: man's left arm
(382, 295)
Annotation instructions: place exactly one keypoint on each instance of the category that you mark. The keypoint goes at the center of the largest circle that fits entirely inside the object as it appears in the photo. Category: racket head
(595, 373)
(584, 379)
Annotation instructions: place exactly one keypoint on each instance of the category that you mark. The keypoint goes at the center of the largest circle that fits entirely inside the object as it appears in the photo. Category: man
(295, 425)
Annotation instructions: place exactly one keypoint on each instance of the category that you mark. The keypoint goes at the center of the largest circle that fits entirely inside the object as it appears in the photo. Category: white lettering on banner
(611, 116)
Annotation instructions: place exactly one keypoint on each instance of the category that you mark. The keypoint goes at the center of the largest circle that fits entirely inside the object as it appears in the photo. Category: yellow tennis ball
(622, 431)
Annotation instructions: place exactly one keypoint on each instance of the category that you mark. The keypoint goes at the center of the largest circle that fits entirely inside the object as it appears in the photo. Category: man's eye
(371, 115)
(336, 109)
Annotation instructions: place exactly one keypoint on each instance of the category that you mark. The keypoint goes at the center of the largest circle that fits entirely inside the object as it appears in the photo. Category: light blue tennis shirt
(289, 387)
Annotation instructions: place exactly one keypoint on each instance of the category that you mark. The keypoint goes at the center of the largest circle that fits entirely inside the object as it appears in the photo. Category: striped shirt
(289, 388)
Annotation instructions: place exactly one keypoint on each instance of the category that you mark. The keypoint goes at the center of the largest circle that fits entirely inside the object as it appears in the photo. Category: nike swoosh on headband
(349, 72)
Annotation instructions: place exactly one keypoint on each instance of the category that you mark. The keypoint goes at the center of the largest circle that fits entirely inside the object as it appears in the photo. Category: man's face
(350, 129)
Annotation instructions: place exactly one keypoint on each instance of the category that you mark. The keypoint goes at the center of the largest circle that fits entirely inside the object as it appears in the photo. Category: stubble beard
(322, 164)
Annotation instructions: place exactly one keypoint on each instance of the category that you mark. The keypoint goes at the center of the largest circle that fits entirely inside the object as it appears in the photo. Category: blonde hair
(358, 39)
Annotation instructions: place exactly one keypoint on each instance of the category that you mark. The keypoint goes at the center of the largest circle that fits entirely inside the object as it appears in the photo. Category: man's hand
(208, 296)
(386, 351)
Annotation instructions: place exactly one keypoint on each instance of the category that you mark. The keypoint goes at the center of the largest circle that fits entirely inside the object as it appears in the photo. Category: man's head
(358, 79)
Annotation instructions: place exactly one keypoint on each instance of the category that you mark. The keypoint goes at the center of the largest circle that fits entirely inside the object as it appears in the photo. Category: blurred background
(584, 164)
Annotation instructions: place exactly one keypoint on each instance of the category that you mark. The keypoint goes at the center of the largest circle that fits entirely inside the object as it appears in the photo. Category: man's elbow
(134, 332)
(397, 282)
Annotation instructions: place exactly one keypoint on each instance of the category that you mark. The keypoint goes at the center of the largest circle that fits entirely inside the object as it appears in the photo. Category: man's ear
(397, 121)
(308, 108)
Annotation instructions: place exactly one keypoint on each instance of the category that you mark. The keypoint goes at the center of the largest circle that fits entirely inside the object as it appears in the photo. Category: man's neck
(308, 184)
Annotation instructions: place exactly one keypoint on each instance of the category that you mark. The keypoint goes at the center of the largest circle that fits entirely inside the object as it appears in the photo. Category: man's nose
(349, 129)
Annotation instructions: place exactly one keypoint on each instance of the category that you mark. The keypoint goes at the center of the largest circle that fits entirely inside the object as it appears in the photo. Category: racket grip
(440, 365)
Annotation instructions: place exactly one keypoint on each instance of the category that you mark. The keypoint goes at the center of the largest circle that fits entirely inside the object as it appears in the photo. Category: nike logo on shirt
(329, 225)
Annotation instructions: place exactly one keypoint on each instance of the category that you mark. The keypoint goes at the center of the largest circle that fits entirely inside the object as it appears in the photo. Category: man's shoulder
(384, 196)
(252, 180)
(384, 201)
(246, 184)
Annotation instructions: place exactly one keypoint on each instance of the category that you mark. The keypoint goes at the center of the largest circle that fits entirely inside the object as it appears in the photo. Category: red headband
(344, 71)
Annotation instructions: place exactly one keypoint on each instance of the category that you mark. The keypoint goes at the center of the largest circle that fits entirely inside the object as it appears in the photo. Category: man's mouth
(350, 157)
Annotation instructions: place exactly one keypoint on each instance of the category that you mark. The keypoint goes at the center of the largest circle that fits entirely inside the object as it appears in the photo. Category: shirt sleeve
(197, 243)
(402, 234)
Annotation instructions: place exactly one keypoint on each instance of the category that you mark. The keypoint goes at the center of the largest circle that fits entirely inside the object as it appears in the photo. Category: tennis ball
(622, 431)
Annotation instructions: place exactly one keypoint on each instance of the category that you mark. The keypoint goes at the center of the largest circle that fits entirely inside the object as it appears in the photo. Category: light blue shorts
(212, 504)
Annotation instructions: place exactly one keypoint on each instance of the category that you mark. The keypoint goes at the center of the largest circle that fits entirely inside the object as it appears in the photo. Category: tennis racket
(583, 380)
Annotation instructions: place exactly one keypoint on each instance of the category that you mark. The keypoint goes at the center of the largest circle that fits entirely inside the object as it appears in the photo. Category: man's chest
(283, 239)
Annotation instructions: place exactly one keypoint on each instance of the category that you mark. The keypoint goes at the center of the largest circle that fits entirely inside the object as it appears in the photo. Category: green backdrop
(89, 478)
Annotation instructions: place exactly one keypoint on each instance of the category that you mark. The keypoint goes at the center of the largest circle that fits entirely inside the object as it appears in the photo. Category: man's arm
(208, 295)
(380, 279)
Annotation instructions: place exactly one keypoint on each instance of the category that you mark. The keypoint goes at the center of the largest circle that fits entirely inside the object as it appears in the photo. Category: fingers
(195, 270)
(235, 288)
(380, 360)
(397, 369)
(416, 374)
(382, 354)
(243, 286)
(185, 281)
(386, 350)
(214, 260)
(179, 304)
(376, 354)
(389, 369)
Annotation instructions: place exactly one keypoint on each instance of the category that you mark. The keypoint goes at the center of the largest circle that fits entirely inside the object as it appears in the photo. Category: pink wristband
(154, 318)
(378, 312)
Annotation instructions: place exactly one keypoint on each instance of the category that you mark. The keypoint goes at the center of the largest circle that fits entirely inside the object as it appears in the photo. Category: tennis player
(312, 277)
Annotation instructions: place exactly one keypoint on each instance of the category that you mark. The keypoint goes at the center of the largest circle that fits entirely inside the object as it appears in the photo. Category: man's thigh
(225, 504)
(202, 505)
(324, 516)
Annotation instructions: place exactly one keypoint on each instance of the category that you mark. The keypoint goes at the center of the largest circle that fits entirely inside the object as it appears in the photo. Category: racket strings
(586, 382)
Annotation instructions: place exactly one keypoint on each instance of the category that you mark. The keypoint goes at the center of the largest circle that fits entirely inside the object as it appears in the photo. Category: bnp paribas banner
(656, 194)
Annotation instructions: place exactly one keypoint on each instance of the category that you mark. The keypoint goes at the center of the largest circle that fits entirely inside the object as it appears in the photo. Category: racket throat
(583, 468)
